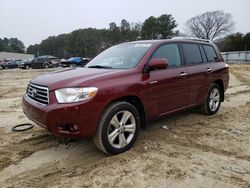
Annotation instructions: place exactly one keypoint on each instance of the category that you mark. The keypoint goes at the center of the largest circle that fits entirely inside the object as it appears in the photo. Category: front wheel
(118, 128)
(46, 66)
(27, 67)
(213, 101)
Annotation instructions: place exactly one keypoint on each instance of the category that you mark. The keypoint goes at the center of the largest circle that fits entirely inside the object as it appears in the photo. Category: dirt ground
(195, 151)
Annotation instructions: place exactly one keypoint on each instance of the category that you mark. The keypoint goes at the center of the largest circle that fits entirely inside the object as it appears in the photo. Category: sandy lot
(195, 150)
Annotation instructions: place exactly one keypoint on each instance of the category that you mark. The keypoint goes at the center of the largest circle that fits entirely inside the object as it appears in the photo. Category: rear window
(192, 53)
(210, 53)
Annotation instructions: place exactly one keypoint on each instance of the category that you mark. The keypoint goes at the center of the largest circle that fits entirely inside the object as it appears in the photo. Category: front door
(168, 87)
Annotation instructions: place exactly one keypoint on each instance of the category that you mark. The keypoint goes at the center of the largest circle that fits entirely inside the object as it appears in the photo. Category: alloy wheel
(121, 129)
(214, 99)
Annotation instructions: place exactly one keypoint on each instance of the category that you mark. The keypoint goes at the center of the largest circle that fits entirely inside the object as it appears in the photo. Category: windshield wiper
(100, 67)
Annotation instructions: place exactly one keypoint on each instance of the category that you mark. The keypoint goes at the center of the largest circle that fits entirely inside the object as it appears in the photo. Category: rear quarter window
(210, 53)
(192, 53)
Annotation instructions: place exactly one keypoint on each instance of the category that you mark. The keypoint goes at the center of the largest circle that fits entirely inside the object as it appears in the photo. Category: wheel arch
(46, 63)
(137, 103)
(221, 84)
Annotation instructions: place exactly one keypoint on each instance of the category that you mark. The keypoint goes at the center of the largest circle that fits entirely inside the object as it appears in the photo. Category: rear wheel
(1, 67)
(213, 101)
(118, 128)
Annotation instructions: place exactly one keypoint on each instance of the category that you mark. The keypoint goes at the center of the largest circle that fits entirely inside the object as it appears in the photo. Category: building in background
(236, 57)
(10, 55)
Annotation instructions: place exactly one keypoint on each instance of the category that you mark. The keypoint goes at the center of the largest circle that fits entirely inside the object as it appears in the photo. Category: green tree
(135, 31)
(33, 49)
(114, 35)
(16, 45)
(161, 27)
(1, 45)
(125, 30)
(235, 42)
(166, 25)
(90, 41)
(150, 28)
(11, 45)
(247, 42)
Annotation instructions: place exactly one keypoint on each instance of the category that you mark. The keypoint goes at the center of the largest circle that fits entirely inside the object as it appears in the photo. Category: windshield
(123, 56)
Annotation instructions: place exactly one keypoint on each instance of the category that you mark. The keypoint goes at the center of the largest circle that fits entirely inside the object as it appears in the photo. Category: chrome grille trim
(41, 95)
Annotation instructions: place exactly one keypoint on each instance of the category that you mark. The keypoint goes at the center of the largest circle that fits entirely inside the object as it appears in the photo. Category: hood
(71, 77)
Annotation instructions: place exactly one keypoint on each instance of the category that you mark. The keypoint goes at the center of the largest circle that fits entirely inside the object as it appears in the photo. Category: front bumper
(55, 117)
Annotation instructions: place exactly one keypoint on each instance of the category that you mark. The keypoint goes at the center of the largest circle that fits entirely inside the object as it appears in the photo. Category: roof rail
(192, 38)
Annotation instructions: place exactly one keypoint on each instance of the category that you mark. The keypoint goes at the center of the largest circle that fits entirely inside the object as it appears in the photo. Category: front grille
(39, 94)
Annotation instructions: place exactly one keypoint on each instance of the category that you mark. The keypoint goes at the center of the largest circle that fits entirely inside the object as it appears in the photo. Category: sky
(32, 21)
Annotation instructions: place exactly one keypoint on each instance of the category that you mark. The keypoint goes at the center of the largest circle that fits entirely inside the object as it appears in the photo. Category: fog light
(74, 127)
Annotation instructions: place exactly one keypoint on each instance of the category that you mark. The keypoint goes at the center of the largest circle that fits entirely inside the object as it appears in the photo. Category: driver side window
(169, 52)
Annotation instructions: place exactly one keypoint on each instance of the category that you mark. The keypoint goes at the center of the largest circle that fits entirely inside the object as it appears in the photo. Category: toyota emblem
(34, 93)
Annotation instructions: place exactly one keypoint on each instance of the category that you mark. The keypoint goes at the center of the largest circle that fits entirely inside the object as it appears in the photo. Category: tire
(1, 67)
(212, 104)
(46, 66)
(27, 67)
(122, 115)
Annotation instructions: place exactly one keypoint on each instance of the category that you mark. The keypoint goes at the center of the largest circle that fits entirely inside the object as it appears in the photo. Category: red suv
(125, 87)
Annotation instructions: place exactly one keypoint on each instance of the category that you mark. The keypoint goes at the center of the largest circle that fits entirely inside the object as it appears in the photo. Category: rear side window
(210, 53)
(192, 53)
(169, 52)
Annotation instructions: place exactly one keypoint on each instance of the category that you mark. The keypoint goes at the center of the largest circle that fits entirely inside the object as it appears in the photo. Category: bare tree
(210, 25)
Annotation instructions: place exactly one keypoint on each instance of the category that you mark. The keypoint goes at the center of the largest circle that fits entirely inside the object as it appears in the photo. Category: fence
(237, 57)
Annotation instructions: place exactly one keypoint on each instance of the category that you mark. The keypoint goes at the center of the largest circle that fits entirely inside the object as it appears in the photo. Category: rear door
(33, 63)
(13, 64)
(40, 62)
(197, 72)
(168, 87)
(212, 57)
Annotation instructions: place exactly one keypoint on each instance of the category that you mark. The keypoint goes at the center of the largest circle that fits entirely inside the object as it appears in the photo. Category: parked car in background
(75, 61)
(25, 64)
(18, 61)
(2, 65)
(11, 64)
(7, 60)
(56, 62)
(38, 62)
(126, 86)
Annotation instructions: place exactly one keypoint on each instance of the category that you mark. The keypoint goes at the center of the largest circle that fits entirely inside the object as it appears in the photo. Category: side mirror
(158, 63)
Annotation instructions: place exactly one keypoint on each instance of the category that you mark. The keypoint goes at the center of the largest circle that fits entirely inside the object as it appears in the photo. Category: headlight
(70, 95)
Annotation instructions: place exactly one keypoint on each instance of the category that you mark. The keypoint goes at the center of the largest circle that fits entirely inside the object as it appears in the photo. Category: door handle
(209, 70)
(183, 74)
(153, 82)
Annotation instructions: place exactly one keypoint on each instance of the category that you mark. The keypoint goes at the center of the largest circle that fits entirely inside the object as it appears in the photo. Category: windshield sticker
(143, 45)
